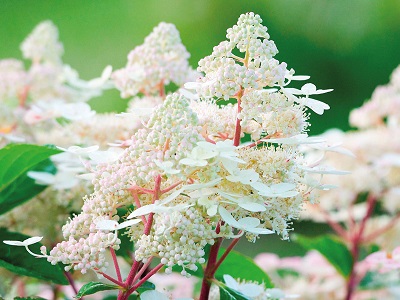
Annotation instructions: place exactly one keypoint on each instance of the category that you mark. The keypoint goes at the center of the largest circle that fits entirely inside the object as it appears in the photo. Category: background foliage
(349, 45)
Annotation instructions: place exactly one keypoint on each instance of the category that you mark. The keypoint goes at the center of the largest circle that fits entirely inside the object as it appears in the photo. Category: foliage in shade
(16, 160)
(19, 261)
(333, 249)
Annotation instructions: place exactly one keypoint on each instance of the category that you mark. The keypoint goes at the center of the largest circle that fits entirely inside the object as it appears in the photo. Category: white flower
(107, 156)
(114, 225)
(80, 150)
(243, 176)
(76, 111)
(323, 170)
(248, 224)
(166, 166)
(298, 139)
(251, 290)
(26, 243)
(307, 90)
(281, 190)
(59, 181)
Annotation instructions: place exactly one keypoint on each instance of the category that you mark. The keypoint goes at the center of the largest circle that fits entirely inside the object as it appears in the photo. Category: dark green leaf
(147, 286)
(16, 160)
(19, 261)
(126, 246)
(241, 266)
(332, 248)
(94, 287)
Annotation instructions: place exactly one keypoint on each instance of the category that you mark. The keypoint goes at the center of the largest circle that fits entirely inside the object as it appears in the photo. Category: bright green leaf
(241, 266)
(18, 260)
(29, 298)
(23, 188)
(332, 248)
(94, 287)
(16, 160)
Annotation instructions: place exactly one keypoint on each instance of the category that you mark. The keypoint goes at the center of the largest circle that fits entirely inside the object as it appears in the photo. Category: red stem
(227, 251)
(142, 269)
(356, 241)
(117, 282)
(210, 270)
(72, 283)
(238, 128)
(126, 294)
(116, 265)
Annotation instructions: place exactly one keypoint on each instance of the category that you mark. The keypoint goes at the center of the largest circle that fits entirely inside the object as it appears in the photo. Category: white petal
(107, 225)
(308, 89)
(193, 162)
(231, 282)
(212, 210)
(196, 186)
(191, 85)
(251, 206)
(260, 230)
(14, 243)
(144, 210)
(32, 240)
(251, 290)
(171, 197)
(128, 223)
(227, 217)
(317, 106)
(249, 222)
(86, 176)
(42, 178)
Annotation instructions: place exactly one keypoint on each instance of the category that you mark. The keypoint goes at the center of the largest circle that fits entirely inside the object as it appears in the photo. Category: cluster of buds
(186, 176)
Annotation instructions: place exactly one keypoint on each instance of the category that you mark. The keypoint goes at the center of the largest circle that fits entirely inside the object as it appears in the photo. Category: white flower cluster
(383, 107)
(43, 44)
(185, 180)
(160, 60)
(375, 170)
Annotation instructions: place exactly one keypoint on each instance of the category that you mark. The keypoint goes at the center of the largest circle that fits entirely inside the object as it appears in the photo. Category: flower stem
(227, 251)
(116, 265)
(210, 270)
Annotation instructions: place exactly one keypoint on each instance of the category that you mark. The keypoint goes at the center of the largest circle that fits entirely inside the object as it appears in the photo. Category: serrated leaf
(241, 266)
(332, 248)
(19, 261)
(23, 188)
(16, 160)
(94, 287)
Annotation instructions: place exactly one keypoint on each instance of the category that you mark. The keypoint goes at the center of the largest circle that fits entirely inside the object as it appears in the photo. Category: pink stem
(142, 269)
(117, 282)
(116, 265)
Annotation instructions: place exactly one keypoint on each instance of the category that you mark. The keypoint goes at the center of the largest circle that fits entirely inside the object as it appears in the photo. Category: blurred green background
(348, 45)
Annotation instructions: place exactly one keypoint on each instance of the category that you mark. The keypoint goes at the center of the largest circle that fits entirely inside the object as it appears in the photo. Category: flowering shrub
(218, 159)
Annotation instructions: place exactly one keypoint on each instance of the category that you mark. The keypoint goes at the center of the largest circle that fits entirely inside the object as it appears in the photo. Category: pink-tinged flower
(384, 261)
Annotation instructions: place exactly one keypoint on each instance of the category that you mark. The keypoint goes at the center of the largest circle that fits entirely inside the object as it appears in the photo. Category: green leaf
(16, 161)
(18, 260)
(332, 248)
(146, 286)
(241, 266)
(126, 247)
(226, 293)
(29, 298)
(24, 188)
(94, 287)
